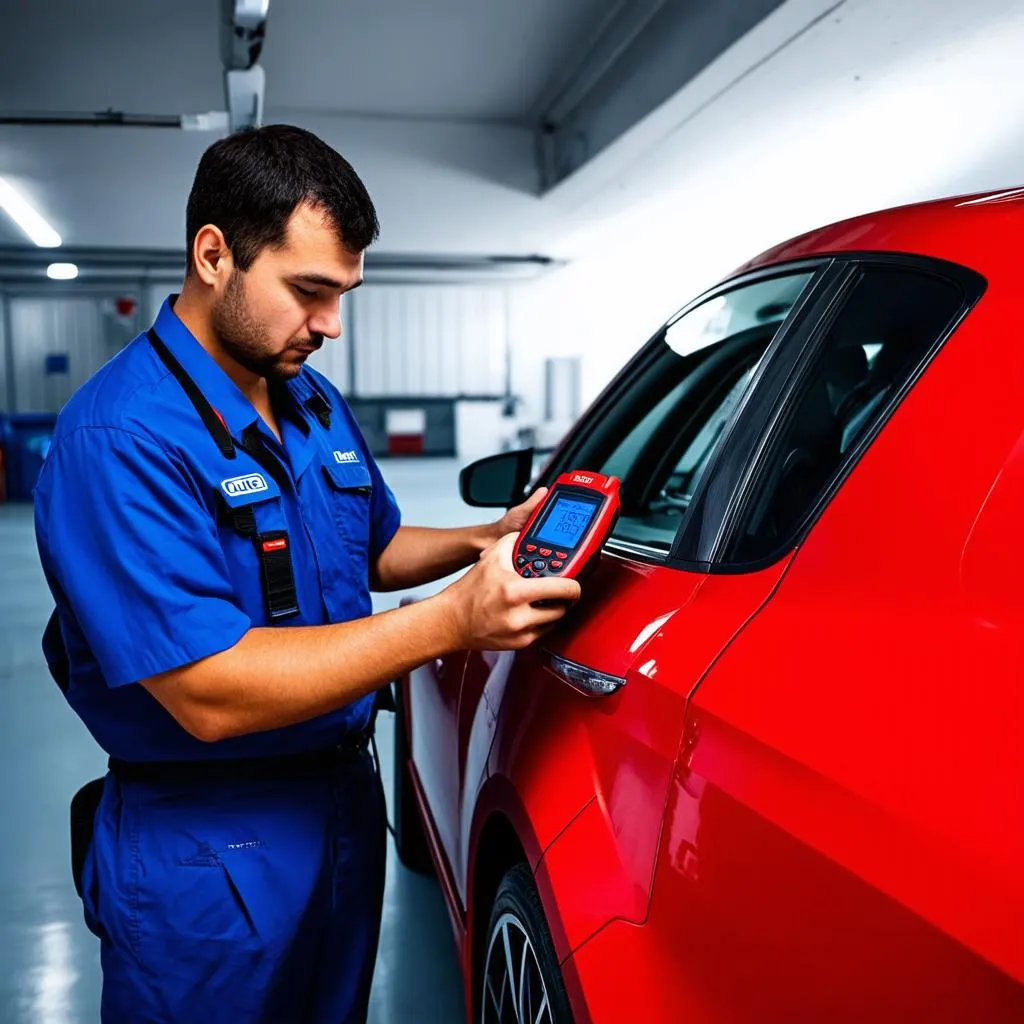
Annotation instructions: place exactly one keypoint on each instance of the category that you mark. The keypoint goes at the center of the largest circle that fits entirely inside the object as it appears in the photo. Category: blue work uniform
(234, 899)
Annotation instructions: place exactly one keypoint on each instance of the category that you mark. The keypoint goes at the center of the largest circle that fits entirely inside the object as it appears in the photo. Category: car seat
(813, 442)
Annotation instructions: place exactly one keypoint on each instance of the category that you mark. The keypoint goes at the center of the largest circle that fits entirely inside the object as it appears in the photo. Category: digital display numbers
(566, 522)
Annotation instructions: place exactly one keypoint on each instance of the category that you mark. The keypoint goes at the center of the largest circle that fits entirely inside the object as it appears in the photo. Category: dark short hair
(249, 184)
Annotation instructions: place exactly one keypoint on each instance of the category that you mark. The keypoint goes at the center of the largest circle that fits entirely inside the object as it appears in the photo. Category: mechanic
(205, 490)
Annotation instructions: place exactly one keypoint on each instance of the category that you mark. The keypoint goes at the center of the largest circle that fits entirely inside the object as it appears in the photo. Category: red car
(771, 768)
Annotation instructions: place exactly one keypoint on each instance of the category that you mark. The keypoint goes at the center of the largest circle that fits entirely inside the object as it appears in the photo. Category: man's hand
(418, 555)
(516, 518)
(493, 608)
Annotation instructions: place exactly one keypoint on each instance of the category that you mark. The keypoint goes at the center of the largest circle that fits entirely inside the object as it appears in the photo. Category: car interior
(690, 403)
(876, 345)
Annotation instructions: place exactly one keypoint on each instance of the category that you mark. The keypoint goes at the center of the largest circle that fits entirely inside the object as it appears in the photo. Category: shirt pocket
(349, 491)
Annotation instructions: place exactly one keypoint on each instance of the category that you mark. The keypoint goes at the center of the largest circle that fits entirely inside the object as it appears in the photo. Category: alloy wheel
(514, 989)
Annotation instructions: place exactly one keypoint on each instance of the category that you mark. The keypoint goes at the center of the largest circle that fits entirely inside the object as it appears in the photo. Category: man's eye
(304, 291)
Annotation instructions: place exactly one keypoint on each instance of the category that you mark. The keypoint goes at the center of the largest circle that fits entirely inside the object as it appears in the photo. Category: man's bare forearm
(419, 555)
(277, 677)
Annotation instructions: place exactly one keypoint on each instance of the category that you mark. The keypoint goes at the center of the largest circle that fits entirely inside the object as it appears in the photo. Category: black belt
(241, 769)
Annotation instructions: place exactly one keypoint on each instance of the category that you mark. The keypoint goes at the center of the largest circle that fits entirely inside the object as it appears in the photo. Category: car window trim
(634, 551)
(972, 286)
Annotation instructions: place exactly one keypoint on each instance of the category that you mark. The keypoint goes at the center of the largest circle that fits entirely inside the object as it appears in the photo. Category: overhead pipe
(29, 263)
(214, 120)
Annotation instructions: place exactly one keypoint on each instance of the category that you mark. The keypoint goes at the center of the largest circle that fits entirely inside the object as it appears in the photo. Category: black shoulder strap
(317, 403)
(210, 419)
(272, 549)
(252, 443)
(320, 407)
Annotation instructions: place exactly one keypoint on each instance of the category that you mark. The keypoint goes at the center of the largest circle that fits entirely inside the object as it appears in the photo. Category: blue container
(26, 441)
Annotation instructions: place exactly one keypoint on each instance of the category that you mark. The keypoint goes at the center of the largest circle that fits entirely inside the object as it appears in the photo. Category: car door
(843, 831)
(532, 719)
(433, 701)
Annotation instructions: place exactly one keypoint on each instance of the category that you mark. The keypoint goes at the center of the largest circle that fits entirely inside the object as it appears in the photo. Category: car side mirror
(499, 481)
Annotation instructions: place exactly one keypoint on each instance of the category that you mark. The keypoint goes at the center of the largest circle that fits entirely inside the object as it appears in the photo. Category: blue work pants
(254, 902)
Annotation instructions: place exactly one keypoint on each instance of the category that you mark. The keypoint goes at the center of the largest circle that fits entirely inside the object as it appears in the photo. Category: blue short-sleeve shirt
(144, 557)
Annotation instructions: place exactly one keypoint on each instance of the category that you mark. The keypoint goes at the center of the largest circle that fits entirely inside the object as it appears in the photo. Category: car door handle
(586, 680)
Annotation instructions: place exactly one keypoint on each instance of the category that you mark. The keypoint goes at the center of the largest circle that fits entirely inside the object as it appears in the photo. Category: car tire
(410, 837)
(518, 918)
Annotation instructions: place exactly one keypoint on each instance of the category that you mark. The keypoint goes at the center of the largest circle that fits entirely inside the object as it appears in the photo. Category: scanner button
(539, 566)
(545, 552)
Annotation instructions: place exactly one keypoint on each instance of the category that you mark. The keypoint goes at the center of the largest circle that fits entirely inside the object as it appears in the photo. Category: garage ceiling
(823, 104)
(456, 60)
(437, 104)
(449, 60)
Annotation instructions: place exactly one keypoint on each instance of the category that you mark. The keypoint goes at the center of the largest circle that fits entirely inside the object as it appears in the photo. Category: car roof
(982, 231)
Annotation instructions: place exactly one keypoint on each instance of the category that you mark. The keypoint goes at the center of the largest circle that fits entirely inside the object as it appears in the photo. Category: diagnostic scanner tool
(568, 528)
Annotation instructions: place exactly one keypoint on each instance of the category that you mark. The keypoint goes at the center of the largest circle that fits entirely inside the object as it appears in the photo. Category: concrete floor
(49, 961)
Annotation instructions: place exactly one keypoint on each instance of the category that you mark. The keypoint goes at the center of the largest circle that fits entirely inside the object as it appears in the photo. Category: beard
(247, 340)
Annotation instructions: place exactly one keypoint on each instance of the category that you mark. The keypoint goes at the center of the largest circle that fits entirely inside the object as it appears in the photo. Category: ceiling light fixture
(18, 208)
(62, 271)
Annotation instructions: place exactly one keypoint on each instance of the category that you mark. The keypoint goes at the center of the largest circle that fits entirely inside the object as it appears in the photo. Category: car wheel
(410, 839)
(520, 979)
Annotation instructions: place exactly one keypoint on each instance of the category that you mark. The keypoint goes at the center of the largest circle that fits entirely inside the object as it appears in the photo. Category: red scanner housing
(568, 528)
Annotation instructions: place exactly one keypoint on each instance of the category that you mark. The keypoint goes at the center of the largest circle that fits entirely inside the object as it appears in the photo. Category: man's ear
(211, 256)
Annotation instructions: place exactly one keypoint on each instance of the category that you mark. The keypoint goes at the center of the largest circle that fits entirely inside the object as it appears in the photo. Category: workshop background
(553, 180)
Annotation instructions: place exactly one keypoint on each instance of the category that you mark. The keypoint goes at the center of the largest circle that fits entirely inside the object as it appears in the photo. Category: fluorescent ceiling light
(62, 271)
(14, 204)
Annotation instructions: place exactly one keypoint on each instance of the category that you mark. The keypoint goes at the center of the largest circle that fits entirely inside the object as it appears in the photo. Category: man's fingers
(535, 499)
(502, 550)
(506, 544)
(547, 615)
(549, 588)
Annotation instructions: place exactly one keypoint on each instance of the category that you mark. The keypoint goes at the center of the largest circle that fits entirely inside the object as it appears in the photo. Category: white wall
(435, 340)
(480, 430)
(81, 324)
(884, 102)
(438, 188)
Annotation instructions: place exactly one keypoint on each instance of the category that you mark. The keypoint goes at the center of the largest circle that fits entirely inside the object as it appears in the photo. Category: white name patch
(237, 485)
(349, 456)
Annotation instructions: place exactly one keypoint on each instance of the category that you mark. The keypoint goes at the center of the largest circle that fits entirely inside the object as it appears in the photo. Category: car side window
(660, 434)
(884, 332)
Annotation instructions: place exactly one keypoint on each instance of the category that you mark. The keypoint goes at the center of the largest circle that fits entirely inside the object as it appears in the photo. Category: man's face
(272, 316)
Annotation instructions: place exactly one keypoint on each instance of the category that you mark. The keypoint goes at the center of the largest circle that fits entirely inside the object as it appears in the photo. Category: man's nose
(326, 322)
